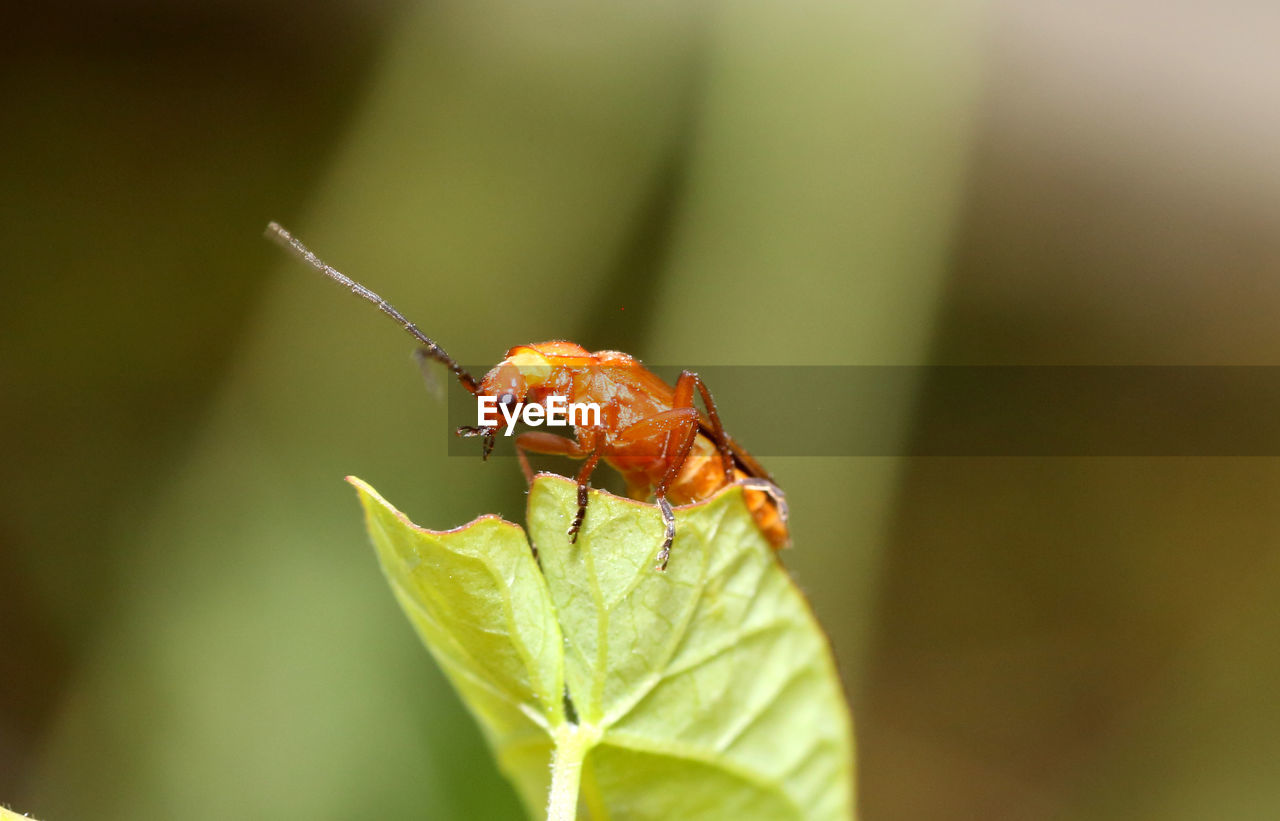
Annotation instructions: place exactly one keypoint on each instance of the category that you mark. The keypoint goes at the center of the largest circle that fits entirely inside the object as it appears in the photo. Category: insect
(649, 431)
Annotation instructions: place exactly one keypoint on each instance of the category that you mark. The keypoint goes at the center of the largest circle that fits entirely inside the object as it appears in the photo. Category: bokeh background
(192, 624)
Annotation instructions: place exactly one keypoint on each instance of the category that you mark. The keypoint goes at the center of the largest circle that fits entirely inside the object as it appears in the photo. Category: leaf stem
(572, 742)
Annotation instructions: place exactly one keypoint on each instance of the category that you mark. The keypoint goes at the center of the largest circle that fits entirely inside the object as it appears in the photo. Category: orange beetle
(647, 430)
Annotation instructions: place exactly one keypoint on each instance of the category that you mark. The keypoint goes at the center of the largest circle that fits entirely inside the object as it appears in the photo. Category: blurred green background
(192, 623)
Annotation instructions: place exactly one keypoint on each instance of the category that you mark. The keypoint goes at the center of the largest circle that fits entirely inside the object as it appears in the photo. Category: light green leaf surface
(706, 691)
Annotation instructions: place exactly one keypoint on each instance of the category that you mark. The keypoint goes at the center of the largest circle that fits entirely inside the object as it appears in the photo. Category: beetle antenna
(292, 244)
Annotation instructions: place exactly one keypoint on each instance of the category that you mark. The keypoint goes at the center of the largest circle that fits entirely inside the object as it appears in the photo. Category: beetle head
(523, 371)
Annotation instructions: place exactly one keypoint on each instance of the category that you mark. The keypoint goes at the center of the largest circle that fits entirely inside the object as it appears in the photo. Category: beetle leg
(775, 493)
(542, 442)
(674, 465)
(669, 523)
(685, 386)
(663, 427)
(584, 476)
(489, 435)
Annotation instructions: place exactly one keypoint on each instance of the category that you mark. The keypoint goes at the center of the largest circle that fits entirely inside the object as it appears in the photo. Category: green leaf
(706, 691)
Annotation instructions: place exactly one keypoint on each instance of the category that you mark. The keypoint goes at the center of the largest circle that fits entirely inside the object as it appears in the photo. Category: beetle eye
(507, 399)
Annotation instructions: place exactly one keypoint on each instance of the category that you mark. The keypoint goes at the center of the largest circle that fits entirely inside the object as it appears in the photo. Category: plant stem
(572, 741)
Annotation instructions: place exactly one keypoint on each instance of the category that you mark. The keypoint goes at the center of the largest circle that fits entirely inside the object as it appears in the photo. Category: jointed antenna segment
(292, 244)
